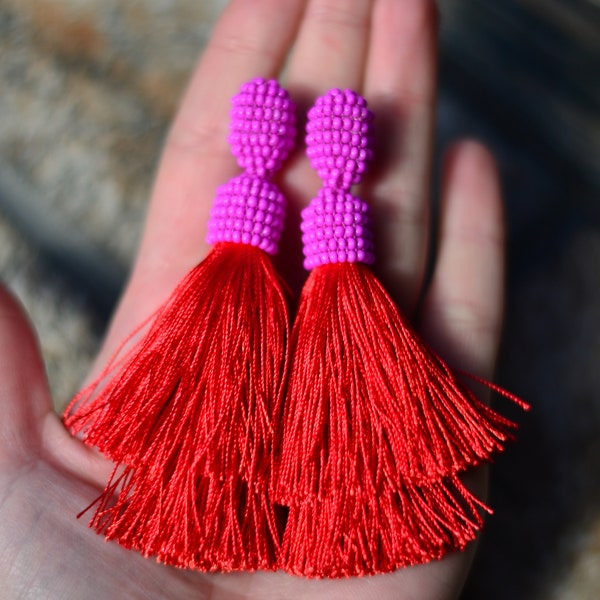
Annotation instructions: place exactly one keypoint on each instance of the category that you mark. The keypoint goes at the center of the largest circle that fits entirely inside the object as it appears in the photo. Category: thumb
(24, 393)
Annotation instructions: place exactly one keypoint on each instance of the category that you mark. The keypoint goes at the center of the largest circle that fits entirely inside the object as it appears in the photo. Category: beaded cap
(250, 209)
(336, 224)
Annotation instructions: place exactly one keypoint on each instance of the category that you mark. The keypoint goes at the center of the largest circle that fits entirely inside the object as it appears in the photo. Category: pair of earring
(331, 449)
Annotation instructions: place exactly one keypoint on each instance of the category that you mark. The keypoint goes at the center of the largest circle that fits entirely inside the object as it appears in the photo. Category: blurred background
(87, 88)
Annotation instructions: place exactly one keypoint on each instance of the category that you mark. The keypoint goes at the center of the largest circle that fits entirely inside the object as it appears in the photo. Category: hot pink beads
(336, 225)
(263, 128)
(337, 138)
(336, 228)
(249, 209)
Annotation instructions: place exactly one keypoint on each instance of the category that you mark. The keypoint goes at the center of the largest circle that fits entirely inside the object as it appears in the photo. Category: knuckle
(203, 138)
(238, 45)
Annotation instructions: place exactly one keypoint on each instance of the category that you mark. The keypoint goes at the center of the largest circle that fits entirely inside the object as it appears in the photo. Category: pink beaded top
(249, 209)
(336, 224)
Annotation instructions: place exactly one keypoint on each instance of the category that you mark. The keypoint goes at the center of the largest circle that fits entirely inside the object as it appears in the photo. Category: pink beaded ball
(263, 126)
(247, 210)
(338, 136)
(336, 228)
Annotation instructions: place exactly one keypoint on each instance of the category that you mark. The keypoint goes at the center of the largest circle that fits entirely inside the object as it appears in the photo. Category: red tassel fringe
(375, 428)
(188, 411)
(187, 520)
(356, 532)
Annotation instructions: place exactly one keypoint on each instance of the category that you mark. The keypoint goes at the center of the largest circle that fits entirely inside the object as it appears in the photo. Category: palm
(386, 48)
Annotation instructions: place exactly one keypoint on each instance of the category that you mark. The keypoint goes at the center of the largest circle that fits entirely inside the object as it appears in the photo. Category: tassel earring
(374, 428)
(186, 413)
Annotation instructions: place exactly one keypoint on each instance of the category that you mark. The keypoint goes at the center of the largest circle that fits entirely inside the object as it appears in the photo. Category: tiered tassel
(187, 412)
(375, 427)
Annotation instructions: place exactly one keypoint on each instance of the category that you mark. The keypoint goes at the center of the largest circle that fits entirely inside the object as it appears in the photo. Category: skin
(386, 49)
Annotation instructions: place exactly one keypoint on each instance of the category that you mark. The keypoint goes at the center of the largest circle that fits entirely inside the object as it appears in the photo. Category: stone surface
(87, 92)
(68, 332)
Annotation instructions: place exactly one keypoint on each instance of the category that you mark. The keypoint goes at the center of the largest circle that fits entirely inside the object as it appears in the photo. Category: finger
(331, 47)
(330, 52)
(251, 39)
(29, 427)
(400, 86)
(462, 310)
(24, 395)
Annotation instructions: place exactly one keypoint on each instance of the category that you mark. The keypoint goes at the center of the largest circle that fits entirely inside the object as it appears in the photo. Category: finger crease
(332, 16)
(201, 139)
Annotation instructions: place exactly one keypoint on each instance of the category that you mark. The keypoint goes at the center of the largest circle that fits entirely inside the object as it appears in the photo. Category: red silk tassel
(364, 532)
(199, 355)
(382, 384)
(375, 429)
(186, 412)
(190, 412)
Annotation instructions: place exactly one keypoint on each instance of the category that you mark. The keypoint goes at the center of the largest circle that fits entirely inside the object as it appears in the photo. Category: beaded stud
(249, 208)
(336, 224)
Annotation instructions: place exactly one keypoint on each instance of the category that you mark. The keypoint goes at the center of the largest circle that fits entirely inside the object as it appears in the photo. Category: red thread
(188, 412)
(375, 429)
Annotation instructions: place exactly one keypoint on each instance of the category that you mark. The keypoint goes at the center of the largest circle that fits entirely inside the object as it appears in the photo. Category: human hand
(386, 49)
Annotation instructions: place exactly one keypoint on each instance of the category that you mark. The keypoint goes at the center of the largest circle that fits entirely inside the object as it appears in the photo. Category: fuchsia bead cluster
(336, 224)
(263, 120)
(336, 228)
(249, 208)
(338, 137)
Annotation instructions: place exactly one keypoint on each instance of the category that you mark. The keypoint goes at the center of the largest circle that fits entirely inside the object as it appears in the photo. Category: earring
(375, 427)
(186, 412)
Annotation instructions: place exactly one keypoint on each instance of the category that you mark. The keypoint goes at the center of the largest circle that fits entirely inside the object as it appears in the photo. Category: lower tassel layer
(192, 522)
(354, 534)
